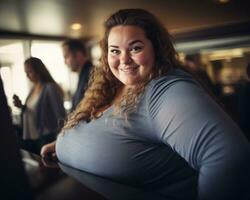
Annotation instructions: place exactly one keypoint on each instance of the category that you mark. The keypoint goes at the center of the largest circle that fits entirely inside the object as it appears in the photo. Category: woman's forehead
(125, 34)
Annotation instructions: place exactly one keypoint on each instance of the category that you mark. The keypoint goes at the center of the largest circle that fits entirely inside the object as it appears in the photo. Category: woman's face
(130, 54)
(30, 73)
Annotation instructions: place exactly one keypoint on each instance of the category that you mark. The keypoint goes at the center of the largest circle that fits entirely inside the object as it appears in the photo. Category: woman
(43, 109)
(147, 123)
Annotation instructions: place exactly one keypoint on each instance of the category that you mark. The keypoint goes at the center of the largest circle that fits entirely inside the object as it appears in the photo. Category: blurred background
(215, 33)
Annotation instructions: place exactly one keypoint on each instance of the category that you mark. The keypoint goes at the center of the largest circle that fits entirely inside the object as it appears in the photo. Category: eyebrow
(135, 41)
(131, 43)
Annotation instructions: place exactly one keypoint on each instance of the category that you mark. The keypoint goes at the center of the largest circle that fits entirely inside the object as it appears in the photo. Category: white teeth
(128, 69)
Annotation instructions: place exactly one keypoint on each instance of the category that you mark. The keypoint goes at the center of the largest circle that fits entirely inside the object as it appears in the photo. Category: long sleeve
(56, 100)
(50, 110)
(194, 126)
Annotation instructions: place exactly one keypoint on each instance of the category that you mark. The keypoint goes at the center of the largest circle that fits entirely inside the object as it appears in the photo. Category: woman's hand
(16, 101)
(49, 150)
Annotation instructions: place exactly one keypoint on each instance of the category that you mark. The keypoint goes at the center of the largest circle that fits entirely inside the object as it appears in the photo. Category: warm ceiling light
(76, 26)
(223, 1)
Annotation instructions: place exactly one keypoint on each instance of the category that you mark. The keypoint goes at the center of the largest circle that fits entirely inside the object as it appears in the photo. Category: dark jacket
(82, 84)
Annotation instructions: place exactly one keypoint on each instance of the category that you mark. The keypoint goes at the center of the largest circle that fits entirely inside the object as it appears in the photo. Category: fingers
(15, 98)
(16, 101)
(48, 150)
(43, 151)
(51, 163)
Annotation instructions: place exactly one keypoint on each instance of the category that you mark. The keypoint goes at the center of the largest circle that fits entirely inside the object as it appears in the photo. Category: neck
(38, 85)
(120, 94)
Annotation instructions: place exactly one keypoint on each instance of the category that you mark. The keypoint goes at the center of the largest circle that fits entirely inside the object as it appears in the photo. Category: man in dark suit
(75, 57)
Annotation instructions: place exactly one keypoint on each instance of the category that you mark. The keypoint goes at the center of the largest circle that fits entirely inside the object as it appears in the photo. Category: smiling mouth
(129, 69)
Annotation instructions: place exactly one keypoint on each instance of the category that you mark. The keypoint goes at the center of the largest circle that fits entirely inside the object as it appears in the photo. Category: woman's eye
(136, 49)
(115, 51)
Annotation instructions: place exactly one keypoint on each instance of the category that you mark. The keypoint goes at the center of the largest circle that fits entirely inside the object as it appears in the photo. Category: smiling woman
(160, 129)
(130, 54)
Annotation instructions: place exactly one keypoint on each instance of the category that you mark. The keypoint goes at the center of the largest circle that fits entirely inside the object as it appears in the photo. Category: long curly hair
(103, 86)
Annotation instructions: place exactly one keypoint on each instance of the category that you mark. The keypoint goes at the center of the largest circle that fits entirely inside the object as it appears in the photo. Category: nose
(125, 58)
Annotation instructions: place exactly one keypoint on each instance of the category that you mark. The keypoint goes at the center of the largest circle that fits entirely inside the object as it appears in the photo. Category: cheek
(113, 62)
(70, 60)
(67, 61)
(31, 76)
(144, 60)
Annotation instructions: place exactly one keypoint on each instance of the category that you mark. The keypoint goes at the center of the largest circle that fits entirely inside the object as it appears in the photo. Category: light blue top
(178, 141)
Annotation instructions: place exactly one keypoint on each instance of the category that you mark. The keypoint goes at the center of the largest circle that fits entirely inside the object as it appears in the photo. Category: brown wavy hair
(103, 86)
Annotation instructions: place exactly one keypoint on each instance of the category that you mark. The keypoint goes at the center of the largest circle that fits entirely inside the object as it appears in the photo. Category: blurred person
(243, 103)
(147, 123)
(43, 110)
(75, 57)
(214, 90)
(198, 72)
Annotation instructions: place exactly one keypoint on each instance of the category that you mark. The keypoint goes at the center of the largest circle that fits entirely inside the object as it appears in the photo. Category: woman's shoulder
(52, 89)
(50, 86)
(173, 77)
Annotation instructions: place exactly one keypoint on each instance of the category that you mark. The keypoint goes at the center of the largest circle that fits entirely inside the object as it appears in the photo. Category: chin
(73, 69)
(131, 83)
